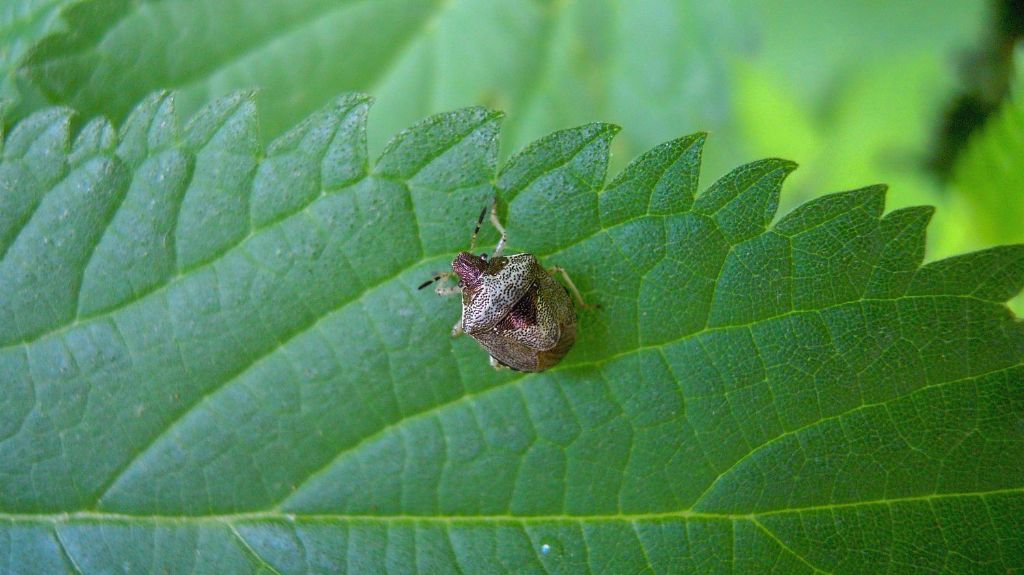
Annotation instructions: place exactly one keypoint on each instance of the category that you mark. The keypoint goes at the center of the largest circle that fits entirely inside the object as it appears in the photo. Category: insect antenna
(437, 277)
(479, 222)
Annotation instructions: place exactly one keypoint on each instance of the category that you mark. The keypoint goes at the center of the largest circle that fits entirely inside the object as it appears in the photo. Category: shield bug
(511, 305)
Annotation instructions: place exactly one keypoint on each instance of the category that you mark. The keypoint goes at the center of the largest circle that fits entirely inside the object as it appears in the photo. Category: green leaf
(990, 173)
(214, 359)
(22, 24)
(657, 67)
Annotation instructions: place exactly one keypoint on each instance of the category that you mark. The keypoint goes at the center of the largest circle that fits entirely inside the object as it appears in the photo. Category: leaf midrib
(685, 514)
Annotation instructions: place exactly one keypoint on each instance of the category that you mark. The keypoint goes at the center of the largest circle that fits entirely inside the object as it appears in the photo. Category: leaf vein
(68, 559)
(111, 483)
(785, 547)
(839, 417)
(248, 550)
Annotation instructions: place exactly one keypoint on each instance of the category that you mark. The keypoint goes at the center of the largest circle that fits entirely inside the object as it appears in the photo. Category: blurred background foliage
(916, 93)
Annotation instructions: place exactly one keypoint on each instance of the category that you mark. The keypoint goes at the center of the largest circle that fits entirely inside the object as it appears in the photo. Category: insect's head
(469, 268)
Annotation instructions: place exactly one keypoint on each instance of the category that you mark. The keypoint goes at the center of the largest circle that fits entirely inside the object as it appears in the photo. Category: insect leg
(501, 229)
(572, 287)
(457, 328)
(447, 290)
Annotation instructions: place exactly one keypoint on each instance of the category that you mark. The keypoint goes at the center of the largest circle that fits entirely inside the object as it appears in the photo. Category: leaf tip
(995, 274)
(769, 165)
(50, 126)
(352, 102)
(411, 150)
(480, 114)
(787, 166)
(927, 212)
(357, 97)
(603, 130)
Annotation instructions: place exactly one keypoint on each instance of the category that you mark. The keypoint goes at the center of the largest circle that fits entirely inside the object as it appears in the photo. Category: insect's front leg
(457, 328)
(501, 229)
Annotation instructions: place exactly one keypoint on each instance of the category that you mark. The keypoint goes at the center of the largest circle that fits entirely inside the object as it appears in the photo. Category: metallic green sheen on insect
(512, 306)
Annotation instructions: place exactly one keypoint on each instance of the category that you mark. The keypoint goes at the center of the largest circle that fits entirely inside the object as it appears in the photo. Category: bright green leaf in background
(22, 24)
(990, 177)
(989, 173)
(214, 359)
(869, 80)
